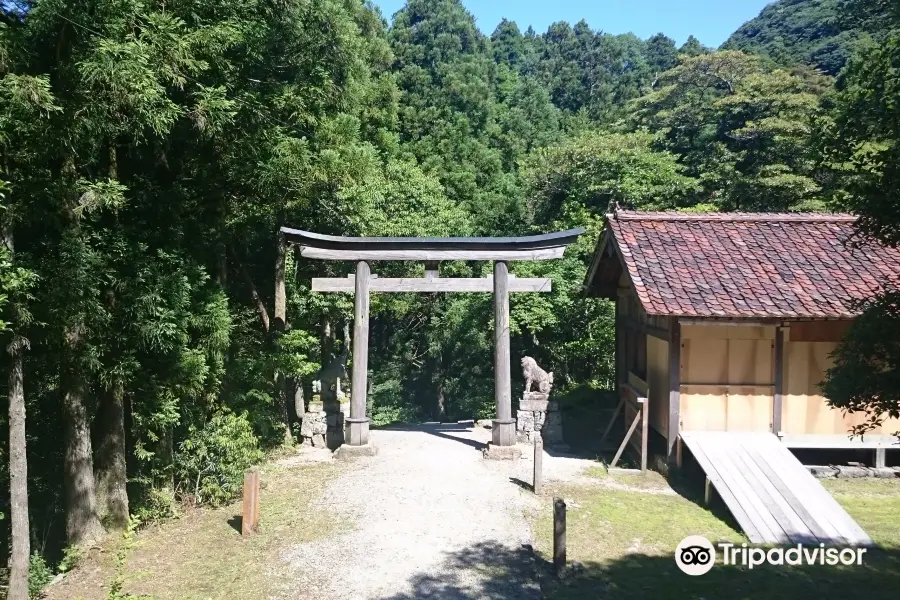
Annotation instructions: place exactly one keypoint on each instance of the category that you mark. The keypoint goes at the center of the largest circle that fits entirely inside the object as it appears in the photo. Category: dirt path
(434, 520)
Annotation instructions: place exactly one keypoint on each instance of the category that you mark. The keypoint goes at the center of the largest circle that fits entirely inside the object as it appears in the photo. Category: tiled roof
(745, 265)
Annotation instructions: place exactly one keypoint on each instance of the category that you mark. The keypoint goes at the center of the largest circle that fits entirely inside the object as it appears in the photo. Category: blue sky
(711, 21)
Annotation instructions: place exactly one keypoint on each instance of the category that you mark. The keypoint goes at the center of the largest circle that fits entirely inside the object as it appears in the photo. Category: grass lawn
(202, 555)
(624, 530)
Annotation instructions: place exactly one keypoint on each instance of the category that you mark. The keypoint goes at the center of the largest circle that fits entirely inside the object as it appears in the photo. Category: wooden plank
(722, 487)
(432, 270)
(645, 423)
(748, 496)
(612, 420)
(838, 442)
(827, 510)
(822, 504)
(805, 493)
(674, 389)
(778, 398)
(625, 441)
(787, 518)
(437, 284)
(788, 495)
(428, 255)
(818, 331)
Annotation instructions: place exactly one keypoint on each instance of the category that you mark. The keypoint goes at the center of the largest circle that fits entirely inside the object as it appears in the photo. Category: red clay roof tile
(742, 265)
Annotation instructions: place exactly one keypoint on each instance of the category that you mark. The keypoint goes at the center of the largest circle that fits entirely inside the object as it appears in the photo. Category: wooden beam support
(674, 423)
(645, 328)
(357, 433)
(503, 433)
(431, 255)
(778, 397)
(436, 284)
(432, 270)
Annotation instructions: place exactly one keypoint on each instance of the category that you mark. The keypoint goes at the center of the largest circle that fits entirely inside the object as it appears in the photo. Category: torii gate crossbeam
(431, 251)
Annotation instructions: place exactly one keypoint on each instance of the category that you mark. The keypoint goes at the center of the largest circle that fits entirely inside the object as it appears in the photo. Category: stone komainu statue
(534, 374)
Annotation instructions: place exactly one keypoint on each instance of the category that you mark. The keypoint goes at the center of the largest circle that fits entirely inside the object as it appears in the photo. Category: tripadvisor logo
(696, 555)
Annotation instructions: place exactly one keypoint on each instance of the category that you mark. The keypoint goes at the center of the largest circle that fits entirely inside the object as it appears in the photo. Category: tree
(864, 148)
(744, 129)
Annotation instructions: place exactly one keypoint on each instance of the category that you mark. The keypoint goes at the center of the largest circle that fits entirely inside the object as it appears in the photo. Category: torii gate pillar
(357, 431)
(503, 432)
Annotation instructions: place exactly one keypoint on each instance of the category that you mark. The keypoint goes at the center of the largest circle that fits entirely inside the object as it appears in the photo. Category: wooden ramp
(770, 493)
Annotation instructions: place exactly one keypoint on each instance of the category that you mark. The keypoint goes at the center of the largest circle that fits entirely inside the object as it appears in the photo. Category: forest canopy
(159, 332)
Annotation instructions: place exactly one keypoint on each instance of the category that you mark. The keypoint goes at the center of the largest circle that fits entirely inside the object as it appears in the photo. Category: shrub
(156, 504)
(210, 463)
(39, 575)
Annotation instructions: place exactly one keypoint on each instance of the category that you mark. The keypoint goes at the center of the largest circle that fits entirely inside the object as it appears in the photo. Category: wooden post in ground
(559, 535)
(538, 480)
(645, 431)
(503, 432)
(358, 423)
(250, 516)
(880, 458)
(707, 491)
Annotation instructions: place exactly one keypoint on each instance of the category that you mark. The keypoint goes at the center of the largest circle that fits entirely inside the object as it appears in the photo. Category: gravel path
(433, 520)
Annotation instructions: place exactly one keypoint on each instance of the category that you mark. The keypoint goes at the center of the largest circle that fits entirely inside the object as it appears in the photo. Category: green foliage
(154, 505)
(812, 32)
(864, 145)
(746, 131)
(72, 555)
(126, 545)
(39, 576)
(210, 463)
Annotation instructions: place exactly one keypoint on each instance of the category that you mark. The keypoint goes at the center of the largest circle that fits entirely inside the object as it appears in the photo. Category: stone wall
(538, 416)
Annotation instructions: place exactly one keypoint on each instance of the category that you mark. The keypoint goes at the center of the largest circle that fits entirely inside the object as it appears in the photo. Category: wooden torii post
(431, 251)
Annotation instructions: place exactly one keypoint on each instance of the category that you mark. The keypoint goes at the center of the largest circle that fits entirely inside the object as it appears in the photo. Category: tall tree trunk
(18, 465)
(109, 428)
(82, 523)
(278, 328)
(109, 460)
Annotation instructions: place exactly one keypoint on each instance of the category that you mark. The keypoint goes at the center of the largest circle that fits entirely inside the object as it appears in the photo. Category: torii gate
(431, 251)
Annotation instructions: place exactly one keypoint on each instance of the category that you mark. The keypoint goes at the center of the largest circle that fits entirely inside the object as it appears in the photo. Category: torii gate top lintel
(331, 247)
(432, 251)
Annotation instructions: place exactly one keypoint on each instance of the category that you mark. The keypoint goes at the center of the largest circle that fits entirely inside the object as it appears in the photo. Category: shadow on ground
(484, 570)
(505, 573)
(441, 430)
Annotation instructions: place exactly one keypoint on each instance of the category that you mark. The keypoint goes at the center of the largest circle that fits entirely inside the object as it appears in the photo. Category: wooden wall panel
(805, 409)
(728, 332)
(818, 331)
(750, 362)
(703, 408)
(748, 408)
(658, 380)
(704, 361)
(727, 377)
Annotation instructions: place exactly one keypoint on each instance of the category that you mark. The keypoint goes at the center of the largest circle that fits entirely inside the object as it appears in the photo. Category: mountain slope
(813, 32)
